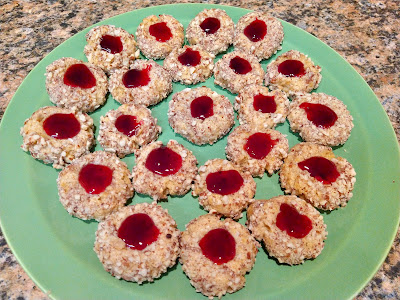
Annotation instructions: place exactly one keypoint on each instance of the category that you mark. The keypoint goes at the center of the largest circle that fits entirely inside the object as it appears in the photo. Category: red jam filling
(320, 168)
(320, 115)
(224, 182)
(164, 161)
(138, 231)
(111, 44)
(259, 144)
(202, 107)
(160, 31)
(210, 25)
(292, 68)
(218, 245)
(256, 30)
(135, 78)
(190, 58)
(127, 124)
(95, 178)
(79, 75)
(295, 224)
(62, 126)
(264, 104)
(240, 65)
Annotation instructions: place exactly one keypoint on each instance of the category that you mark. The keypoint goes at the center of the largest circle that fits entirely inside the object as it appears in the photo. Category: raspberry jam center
(62, 126)
(320, 115)
(290, 220)
(292, 68)
(135, 78)
(190, 58)
(138, 231)
(256, 30)
(259, 145)
(127, 124)
(224, 182)
(320, 168)
(240, 65)
(218, 245)
(95, 178)
(264, 104)
(79, 75)
(111, 44)
(164, 161)
(160, 31)
(202, 107)
(210, 25)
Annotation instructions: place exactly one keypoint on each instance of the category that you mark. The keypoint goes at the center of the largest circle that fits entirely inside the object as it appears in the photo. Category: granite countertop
(364, 32)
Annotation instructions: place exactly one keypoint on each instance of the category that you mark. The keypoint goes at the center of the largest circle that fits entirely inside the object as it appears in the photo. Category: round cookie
(293, 72)
(223, 188)
(190, 64)
(94, 185)
(237, 69)
(74, 84)
(144, 82)
(260, 108)
(110, 47)
(138, 242)
(257, 151)
(211, 29)
(157, 36)
(292, 230)
(124, 130)
(313, 173)
(215, 271)
(57, 135)
(200, 115)
(320, 118)
(164, 170)
(258, 34)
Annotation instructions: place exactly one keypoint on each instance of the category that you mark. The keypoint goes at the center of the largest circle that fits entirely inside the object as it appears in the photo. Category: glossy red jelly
(127, 124)
(219, 246)
(111, 44)
(160, 31)
(210, 25)
(259, 144)
(264, 104)
(62, 126)
(164, 161)
(138, 231)
(202, 107)
(256, 30)
(135, 78)
(320, 168)
(95, 178)
(292, 68)
(79, 75)
(240, 65)
(320, 115)
(190, 58)
(295, 224)
(224, 182)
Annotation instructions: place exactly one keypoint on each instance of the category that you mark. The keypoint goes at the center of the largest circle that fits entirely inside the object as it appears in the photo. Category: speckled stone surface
(365, 33)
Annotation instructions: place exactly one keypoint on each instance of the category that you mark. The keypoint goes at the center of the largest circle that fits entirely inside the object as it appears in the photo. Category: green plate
(55, 249)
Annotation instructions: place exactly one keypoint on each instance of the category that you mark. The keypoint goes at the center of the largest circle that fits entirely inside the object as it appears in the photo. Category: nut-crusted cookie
(292, 229)
(163, 170)
(144, 82)
(216, 255)
(110, 47)
(74, 84)
(138, 242)
(258, 34)
(157, 36)
(190, 64)
(293, 72)
(212, 29)
(200, 115)
(124, 130)
(315, 174)
(57, 135)
(94, 185)
(257, 151)
(223, 188)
